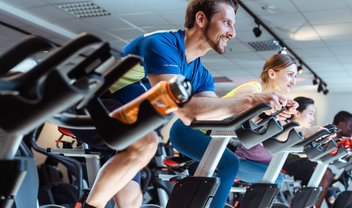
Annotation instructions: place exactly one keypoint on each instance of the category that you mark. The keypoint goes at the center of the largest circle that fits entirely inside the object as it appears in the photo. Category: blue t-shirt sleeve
(159, 57)
(205, 82)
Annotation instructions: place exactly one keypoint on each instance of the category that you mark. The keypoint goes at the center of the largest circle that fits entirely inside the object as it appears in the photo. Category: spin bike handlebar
(313, 137)
(315, 149)
(28, 46)
(231, 123)
(46, 89)
(85, 122)
(115, 128)
(247, 132)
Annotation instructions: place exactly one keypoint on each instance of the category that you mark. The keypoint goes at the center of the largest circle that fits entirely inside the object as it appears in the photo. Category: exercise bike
(198, 190)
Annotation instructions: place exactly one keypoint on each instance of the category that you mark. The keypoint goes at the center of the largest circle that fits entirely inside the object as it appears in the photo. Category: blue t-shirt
(162, 52)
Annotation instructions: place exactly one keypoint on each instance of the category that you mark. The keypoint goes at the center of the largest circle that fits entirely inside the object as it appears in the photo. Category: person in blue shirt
(209, 26)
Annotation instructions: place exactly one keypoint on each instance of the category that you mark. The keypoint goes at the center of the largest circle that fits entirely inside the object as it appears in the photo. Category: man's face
(220, 29)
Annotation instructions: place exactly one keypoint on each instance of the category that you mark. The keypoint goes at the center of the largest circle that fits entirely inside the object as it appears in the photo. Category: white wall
(326, 105)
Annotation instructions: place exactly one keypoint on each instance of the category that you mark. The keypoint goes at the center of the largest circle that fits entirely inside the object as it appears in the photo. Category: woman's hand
(291, 107)
(277, 102)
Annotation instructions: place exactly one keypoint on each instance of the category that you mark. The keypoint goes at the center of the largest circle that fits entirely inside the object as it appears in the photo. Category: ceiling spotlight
(283, 50)
(325, 91)
(300, 69)
(320, 88)
(315, 80)
(256, 30)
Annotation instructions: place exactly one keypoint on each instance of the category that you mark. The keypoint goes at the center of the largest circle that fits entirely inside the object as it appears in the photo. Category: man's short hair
(209, 7)
(342, 116)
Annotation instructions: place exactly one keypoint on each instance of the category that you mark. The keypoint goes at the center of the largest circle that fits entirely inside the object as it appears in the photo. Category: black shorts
(300, 168)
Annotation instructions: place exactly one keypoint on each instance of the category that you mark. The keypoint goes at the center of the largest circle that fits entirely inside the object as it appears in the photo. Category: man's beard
(214, 45)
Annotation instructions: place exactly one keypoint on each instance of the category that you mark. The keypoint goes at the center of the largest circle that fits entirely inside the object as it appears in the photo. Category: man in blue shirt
(209, 26)
(166, 57)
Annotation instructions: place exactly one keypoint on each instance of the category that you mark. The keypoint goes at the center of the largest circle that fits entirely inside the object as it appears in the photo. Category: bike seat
(178, 163)
(65, 132)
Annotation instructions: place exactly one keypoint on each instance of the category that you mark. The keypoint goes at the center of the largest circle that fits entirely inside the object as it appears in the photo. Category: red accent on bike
(170, 163)
(65, 132)
(78, 205)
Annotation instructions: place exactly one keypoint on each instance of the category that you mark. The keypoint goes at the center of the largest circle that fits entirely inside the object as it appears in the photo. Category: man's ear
(201, 19)
(271, 74)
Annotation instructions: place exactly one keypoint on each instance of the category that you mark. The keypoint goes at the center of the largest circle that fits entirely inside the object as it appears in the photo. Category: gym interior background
(316, 32)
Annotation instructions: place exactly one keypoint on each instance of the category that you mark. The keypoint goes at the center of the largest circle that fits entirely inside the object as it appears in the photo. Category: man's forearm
(213, 108)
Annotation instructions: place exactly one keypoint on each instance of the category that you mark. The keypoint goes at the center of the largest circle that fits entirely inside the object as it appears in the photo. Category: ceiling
(318, 31)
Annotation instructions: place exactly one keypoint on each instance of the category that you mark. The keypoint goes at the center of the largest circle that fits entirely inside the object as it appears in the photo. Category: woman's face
(285, 79)
(306, 117)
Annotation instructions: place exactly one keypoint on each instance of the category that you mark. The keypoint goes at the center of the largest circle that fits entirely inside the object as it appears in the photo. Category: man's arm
(207, 106)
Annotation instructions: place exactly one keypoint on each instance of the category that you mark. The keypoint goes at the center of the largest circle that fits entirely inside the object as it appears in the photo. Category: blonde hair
(276, 62)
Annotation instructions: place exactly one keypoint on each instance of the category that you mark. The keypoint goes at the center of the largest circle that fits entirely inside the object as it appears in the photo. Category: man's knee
(144, 149)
